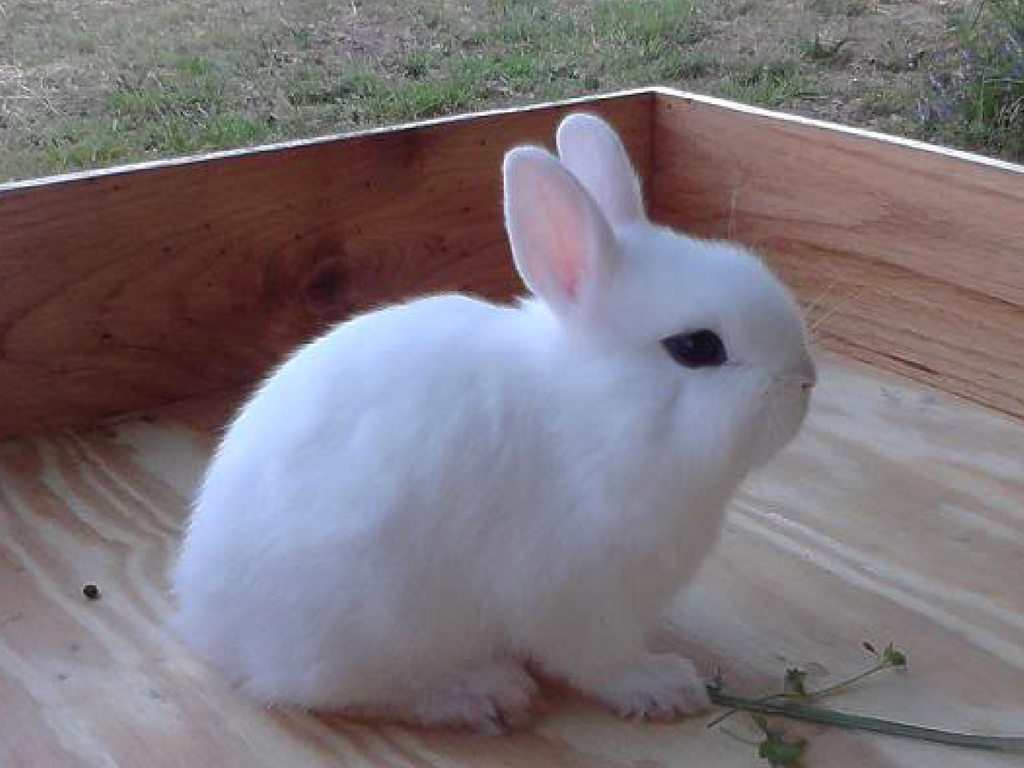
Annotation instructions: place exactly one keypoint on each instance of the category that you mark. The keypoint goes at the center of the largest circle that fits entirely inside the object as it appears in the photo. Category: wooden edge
(105, 298)
(455, 119)
(656, 90)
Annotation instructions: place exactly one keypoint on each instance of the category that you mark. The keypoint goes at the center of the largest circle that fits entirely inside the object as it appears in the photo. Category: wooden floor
(898, 515)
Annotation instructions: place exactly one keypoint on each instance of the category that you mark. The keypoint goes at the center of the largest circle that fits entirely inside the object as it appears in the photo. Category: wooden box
(137, 304)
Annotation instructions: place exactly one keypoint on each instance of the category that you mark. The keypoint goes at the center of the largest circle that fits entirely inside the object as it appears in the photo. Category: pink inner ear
(571, 289)
(570, 267)
(558, 235)
(567, 246)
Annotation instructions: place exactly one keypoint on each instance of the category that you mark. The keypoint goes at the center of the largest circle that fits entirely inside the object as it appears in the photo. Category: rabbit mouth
(784, 408)
(805, 379)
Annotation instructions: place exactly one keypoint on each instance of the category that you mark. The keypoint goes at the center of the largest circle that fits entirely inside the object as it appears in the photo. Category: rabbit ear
(562, 245)
(592, 150)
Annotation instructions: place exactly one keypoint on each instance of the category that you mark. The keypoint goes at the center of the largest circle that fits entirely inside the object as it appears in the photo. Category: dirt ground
(871, 57)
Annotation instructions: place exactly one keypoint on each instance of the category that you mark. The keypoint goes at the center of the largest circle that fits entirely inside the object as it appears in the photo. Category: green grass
(94, 84)
(768, 83)
(823, 50)
(891, 102)
(275, 79)
(846, 8)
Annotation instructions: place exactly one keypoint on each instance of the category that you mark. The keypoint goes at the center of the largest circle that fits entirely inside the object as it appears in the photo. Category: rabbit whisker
(818, 323)
(822, 294)
(730, 227)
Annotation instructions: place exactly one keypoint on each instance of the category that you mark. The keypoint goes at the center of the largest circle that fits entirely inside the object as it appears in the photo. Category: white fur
(432, 494)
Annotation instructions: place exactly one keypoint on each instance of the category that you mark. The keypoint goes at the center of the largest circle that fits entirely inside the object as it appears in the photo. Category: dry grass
(86, 84)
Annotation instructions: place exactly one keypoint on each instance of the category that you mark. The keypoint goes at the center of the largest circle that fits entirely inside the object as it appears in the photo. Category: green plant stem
(840, 686)
(733, 710)
(872, 724)
(742, 739)
(808, 696)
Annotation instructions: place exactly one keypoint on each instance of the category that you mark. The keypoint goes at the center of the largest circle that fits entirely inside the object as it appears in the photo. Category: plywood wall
(121, 291)
(912, 257)
(125, 290)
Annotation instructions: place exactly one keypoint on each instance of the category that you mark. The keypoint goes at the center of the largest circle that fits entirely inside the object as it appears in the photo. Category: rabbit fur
(417, 505)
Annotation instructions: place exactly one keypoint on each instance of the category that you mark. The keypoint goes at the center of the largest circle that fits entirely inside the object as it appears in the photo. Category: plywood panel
(916, 254)
(119, 290)
(895, 516)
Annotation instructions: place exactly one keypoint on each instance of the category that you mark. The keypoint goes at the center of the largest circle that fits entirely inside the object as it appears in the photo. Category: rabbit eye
(698, 349)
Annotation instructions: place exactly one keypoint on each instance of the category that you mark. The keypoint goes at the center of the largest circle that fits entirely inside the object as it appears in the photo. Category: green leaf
(894, 657)
(781, 752)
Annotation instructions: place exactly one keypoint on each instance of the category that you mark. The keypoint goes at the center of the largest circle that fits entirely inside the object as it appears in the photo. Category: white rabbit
(431, 496)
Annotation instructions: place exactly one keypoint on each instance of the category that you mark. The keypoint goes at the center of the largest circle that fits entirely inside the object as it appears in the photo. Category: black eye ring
(696, 349)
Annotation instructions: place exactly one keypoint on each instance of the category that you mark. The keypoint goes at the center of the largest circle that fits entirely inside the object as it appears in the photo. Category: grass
(767, 83)
(823, 50)
(840, 7)
(275, 76)
(91, 84)
(978, 101)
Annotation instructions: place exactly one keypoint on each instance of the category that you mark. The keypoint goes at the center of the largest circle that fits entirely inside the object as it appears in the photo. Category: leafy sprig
(777, 748)
(794, 683)
(796, 701)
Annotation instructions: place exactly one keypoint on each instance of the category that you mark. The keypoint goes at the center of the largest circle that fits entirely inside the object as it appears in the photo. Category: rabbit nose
(807, 374)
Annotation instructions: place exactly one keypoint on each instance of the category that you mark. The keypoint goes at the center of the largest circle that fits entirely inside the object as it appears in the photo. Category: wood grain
(896, 516)
(914, 255)
(123, 289)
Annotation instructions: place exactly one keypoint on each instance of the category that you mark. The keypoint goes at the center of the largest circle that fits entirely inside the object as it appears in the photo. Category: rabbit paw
(491, 699)
(658, 687)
